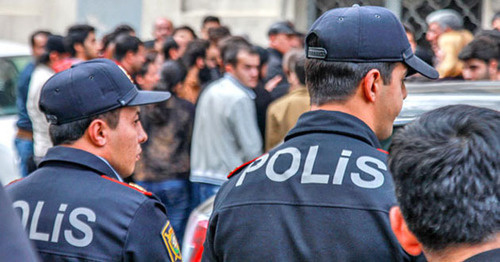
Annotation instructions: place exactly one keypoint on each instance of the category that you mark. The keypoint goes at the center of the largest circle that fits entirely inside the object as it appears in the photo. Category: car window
(9, 73)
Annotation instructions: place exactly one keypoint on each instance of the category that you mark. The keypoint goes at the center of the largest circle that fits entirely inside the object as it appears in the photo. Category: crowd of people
(455, 52)
(233, 103)
(186, 158)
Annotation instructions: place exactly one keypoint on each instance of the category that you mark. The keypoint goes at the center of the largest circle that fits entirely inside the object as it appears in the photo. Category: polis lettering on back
(74, 220)
(370, 166)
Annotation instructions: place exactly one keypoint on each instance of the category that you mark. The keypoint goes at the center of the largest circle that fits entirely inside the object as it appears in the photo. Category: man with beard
(481, 59)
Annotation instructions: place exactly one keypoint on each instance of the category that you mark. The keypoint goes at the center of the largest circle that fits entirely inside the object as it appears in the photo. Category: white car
(13, 58)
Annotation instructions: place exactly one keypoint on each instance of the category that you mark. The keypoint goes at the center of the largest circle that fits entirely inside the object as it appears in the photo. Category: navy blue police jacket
(73, 209)
(322, 195)
(15, 245)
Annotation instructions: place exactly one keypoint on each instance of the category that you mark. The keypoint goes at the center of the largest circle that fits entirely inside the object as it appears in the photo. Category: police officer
(75, 206)
(325, 193)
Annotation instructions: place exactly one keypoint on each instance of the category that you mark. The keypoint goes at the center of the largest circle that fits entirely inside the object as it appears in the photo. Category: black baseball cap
(364, 34)
(282, 27)
(91, 88)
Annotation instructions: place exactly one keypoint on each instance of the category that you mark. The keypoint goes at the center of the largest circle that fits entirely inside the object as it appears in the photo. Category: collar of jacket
(78, 157)
(321, 121)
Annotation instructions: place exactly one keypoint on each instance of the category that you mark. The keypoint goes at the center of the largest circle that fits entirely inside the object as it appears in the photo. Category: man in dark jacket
(280, 42)
(325, 193)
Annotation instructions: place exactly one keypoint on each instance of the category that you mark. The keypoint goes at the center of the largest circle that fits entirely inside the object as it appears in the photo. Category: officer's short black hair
(447, 171)
(299, 69)
(70, 132)
(77, 35)
(194, 50)
(126, 43)
(337, 81)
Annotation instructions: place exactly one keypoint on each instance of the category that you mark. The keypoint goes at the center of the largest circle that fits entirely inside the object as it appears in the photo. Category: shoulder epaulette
(14, 181)
(133, 186)
(238, 169)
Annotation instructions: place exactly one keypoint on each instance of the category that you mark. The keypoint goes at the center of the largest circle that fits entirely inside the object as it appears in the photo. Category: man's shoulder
(288, 99)
(40, 75)
(27, 70)
(223, 89)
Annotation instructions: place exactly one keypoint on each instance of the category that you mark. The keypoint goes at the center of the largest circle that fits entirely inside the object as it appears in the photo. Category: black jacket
(73, 209)
(274, 68)
(323, 195)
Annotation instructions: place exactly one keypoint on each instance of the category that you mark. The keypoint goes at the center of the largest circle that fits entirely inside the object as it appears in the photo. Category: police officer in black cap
(325, 193)
(75, 207)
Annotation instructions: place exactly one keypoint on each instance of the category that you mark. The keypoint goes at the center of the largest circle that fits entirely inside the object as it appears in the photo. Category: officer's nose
(142, 136)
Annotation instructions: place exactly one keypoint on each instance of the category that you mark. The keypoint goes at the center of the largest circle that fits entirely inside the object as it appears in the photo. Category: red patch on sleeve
(14, 181)
(383, 151)
(236, 170)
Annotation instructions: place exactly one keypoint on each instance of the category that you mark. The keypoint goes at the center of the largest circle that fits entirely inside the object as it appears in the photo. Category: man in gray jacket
(225, 132)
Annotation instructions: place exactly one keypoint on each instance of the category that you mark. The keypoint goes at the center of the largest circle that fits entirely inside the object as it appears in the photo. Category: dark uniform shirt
(323, 195)
(15, 245)
(73, 209)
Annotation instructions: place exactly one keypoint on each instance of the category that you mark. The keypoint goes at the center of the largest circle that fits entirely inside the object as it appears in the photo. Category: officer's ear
(405, 237)
(371, 84)
(98, 132)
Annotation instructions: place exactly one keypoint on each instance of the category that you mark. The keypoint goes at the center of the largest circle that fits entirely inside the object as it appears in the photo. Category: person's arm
(150, 236)
(208, 245)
